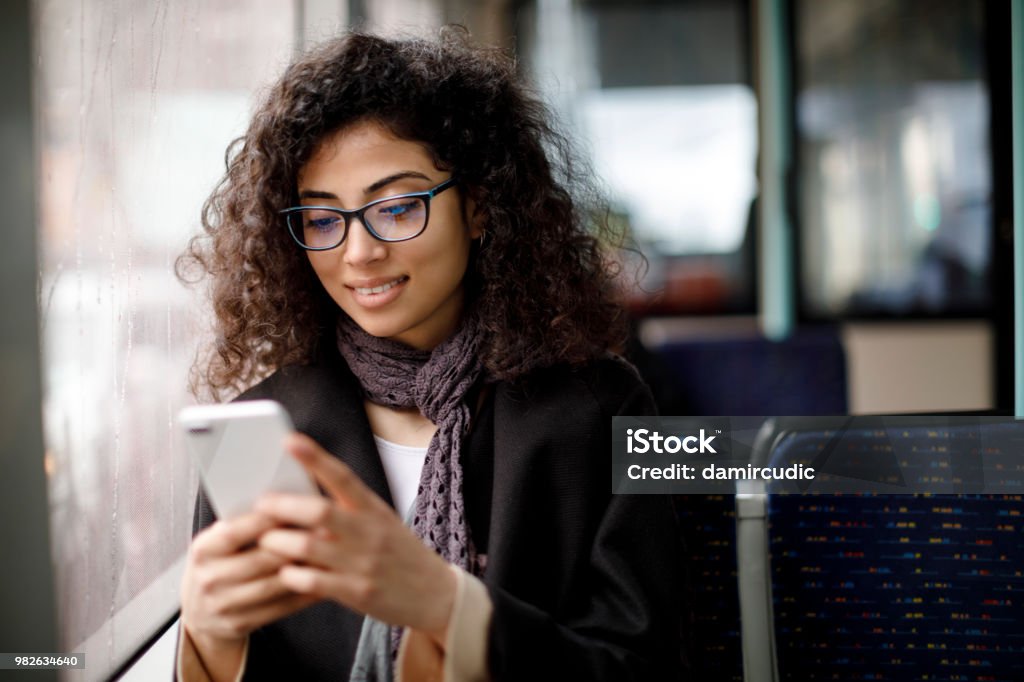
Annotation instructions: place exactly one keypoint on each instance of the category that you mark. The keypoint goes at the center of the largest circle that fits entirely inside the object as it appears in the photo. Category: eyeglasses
(392, 219)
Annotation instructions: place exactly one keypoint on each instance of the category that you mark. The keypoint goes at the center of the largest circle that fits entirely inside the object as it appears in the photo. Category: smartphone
(239, 452)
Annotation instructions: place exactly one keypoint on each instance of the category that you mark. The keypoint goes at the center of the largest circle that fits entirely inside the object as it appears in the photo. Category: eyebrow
(374, 187)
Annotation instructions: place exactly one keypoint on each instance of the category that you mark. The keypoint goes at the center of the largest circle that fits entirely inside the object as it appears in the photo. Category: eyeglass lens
(398, 218)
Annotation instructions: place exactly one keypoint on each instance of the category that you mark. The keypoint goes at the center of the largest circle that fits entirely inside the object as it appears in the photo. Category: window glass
(136, 103)
(892, 113)
(660, 94)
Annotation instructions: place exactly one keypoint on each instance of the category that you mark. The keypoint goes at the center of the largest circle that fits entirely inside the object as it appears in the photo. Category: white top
(403, 465)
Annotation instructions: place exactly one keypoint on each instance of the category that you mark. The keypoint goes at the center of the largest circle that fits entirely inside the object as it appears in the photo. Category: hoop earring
(483, 239)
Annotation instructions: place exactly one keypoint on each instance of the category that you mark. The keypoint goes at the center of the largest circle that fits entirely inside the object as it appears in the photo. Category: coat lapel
(510, 417)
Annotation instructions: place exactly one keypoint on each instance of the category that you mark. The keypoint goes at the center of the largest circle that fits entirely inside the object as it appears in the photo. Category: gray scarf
(434, 382)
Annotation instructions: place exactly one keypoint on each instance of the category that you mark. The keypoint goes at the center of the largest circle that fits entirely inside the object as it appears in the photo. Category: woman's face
(423, 297)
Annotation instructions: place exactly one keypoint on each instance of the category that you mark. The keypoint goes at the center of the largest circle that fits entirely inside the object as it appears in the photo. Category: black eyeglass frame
(349, 213)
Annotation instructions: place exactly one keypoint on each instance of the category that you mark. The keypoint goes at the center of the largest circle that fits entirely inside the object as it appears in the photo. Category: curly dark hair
(543, 286)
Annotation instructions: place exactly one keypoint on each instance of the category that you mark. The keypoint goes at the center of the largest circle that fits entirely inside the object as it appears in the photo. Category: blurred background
(820, 188)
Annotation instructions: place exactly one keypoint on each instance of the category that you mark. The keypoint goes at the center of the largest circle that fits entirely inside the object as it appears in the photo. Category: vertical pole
(27, 602)
(777, 307)
(1017, 42)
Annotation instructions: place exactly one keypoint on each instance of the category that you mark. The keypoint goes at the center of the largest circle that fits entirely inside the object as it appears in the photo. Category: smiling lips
(380, 292)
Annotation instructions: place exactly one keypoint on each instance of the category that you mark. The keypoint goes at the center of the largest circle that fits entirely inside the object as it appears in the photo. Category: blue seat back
(803, 375)
(887, 587)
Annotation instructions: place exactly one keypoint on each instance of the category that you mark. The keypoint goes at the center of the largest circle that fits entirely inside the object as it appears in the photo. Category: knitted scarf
(434, 382)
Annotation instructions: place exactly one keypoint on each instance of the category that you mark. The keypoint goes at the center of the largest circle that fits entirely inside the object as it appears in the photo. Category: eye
(398, 211)
(322, 223)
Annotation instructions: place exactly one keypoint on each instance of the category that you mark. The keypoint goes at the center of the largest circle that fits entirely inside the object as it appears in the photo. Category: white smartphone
(238, 449)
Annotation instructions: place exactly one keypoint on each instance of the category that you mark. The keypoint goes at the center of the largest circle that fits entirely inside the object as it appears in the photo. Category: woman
(400, 244)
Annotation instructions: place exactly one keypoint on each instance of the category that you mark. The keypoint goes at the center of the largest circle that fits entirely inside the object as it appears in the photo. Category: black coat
(586, 585)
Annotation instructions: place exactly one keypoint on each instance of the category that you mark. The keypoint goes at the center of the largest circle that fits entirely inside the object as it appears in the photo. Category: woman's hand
(354, 549)
(231, 587)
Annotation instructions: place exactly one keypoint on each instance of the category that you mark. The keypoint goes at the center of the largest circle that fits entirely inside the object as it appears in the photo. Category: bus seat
(805, 375)
(893, 587)
(802, 375)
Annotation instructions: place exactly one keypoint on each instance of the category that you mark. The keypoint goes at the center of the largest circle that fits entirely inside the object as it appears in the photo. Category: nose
(360, 246)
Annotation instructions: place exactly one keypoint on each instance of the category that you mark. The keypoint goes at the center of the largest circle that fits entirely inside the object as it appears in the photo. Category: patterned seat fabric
(887, 587)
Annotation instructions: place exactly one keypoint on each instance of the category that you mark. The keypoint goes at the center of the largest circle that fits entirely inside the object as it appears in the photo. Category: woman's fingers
(232, 584)
(353, 590)
(305, 511)
(237, 568)
(340, 481)
(300, 545)
(348, 494)
(228, 536)
(249, 595)
(245, 621)
(226, 597)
